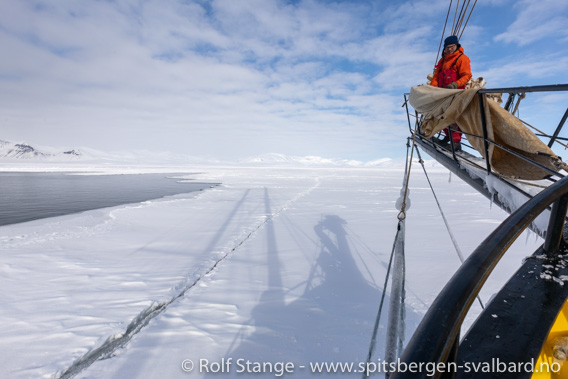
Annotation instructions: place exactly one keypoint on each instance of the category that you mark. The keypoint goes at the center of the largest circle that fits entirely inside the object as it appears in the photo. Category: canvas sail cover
(442, 107)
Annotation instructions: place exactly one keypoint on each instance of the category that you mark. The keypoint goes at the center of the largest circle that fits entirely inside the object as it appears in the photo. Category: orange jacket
(462, 69)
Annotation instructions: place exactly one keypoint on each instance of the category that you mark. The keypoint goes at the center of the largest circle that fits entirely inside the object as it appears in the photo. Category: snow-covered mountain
(18, 152)
(282, 159)
(25, 151)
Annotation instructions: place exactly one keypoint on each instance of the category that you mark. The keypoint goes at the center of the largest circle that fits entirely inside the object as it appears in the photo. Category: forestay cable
(454, 241)
(395, 328)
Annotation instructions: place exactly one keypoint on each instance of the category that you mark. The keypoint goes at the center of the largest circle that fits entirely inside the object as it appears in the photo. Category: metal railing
(511, 91)
(486, 141)
(437, 337)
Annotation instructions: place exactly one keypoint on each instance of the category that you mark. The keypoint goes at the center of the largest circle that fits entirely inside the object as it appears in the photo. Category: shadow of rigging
(144, 355)
(333, 319)
(213, 243)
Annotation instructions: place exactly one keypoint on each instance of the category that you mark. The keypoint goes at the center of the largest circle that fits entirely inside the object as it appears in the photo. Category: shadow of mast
(331, 321)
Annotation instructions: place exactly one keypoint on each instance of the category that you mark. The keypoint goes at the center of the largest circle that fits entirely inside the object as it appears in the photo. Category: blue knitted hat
(452, 40)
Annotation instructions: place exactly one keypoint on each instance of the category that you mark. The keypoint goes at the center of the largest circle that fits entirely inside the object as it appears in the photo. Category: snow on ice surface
(278, 264)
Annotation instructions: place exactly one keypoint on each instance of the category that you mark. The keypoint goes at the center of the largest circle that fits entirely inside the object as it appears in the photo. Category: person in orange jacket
(453, 71)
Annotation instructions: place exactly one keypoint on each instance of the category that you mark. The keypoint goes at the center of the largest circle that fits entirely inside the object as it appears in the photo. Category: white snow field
(275, 269)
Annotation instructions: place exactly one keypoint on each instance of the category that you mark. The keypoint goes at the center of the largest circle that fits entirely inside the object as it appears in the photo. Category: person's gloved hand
(452, 85)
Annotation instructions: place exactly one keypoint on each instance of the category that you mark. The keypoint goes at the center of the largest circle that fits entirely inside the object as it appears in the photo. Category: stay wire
(541, 132)
(458, 25)
(378, 318)
(461, 17)
(458, 251)
(401, 216)
(443, 31)
(402, 330)
(455, 17)
(468, 17)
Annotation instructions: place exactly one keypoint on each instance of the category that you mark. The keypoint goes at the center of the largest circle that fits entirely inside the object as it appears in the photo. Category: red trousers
(456, 134)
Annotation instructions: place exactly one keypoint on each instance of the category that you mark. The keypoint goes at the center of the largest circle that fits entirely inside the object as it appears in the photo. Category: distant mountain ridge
(24, 151)
(14, 152)
(282, 159)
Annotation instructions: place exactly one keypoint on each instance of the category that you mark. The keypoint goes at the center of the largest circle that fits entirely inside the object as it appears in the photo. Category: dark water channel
(32, 196)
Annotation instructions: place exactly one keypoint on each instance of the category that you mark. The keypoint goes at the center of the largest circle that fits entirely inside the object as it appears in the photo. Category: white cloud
(224, 78)
(200, 77)
(516, 72)
(537, 20)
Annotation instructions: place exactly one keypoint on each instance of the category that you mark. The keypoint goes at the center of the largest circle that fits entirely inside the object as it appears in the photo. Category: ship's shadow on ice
(332, 321)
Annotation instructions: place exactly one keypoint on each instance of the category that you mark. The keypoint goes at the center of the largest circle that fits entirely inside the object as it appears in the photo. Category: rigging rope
(455, 17)
(521, 97)
(541, 132)
(402, 214)
(443, 31)
(459, 19)
(398, 241)
(458, 250)
(458, 25)
(378, 318)
(460, 36)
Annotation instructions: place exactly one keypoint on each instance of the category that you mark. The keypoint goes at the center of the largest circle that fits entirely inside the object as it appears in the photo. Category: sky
(227, 79)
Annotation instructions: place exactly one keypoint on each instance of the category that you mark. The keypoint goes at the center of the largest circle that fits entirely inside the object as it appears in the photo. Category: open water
(32, 196)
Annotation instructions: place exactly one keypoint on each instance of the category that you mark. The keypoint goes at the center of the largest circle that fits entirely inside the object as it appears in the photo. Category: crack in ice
(117, 341)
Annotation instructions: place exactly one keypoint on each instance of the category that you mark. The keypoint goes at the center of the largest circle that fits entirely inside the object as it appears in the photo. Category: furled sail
(443, 107)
